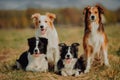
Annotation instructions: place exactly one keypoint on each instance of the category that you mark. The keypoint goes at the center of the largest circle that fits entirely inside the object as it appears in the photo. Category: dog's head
(68, 52)
(37, 46)
(43, 22)
(93, 14)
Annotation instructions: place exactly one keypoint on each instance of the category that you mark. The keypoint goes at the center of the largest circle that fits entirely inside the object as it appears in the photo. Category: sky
(24, 4)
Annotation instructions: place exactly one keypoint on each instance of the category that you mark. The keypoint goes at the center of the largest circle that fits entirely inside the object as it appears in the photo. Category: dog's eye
(39, 21)
(95, 12)
(45, 21)
(89, 12)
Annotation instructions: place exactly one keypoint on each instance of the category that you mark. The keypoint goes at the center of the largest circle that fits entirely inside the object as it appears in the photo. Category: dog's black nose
(41, 26)
(68, 56)
(92, 17)
(36, 50)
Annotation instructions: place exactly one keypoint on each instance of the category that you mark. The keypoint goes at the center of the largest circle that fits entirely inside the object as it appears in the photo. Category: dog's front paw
(107, 64)
(63, 73)
(77, 74)
(86, 71)
(28, 68)
(55, 69)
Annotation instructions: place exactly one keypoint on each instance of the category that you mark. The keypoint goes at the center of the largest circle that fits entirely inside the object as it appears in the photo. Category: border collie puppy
(69, 64)
(45, 28)
(35, 58)
(95, 39)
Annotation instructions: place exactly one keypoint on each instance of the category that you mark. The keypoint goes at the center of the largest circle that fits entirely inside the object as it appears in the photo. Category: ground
(13, 42)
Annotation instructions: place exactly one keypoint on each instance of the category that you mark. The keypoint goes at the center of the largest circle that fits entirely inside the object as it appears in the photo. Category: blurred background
(17, 13)
(16, 27)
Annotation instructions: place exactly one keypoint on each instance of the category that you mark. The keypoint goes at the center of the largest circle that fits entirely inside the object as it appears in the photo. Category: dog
(35, 58)
(69, 64)
(45, 28)
(95, 39)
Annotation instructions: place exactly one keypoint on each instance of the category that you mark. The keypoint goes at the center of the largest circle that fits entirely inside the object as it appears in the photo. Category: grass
(14, 42)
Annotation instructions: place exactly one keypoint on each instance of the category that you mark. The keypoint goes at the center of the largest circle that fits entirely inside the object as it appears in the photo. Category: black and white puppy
(69, 64)
(35, 58)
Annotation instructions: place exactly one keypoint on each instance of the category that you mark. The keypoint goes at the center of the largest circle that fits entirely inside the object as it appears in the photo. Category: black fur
(74, 51)
(42, 46)
(23, 60)
(80, 64)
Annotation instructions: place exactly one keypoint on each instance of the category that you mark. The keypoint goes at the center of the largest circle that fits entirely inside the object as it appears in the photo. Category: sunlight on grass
(14, 42)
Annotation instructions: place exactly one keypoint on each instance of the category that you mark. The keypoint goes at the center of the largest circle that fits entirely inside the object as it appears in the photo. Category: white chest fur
(95, 38)
(69, 68)
(37, 63)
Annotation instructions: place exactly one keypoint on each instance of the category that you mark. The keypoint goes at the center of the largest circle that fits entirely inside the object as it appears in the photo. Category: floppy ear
(35, 18)
(51, 16)
(85, 10)
(100, 9)
(75, 45)
(61, 45)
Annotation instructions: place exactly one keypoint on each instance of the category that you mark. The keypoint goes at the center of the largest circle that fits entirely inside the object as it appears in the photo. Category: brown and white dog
(95, 39)
(45, 28)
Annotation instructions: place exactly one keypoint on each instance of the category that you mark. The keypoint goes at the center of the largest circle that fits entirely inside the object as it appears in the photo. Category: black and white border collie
(35, 58)
(69, 64)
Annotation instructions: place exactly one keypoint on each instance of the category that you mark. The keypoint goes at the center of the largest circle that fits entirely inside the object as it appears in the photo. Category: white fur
(36, 47)
(68, 53)
(96, 40)
(37, 64)
(52, 36)
(68, 69)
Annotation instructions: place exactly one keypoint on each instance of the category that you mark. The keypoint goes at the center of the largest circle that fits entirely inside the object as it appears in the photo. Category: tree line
(65, 16)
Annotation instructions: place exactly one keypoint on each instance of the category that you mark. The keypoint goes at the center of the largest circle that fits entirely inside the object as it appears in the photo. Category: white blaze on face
(36, 47)
(92, 14)
(43, 24)
(68, 59)
(68, 53)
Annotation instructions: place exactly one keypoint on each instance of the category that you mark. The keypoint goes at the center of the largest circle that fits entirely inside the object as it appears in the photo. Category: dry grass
(14, 42)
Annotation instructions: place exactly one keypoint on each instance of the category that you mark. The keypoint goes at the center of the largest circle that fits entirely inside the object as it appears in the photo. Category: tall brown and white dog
(94, 40)
(45, 28)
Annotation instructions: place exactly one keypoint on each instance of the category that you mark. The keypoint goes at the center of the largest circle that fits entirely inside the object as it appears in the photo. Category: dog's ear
(35, 18)
(75, 45)
(31, 41)
(100, 9)
(44, 40)
(51, 16)
(85, 10)
(61, 46)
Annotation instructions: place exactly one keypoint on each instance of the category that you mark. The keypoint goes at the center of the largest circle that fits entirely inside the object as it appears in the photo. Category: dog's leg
(105, 54)
(88, 53)
(88, 65)
(56, 58)
(105, 57)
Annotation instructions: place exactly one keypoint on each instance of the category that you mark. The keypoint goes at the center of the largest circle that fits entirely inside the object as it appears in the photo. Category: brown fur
(97, 11)
(49, 20)
(35, 18)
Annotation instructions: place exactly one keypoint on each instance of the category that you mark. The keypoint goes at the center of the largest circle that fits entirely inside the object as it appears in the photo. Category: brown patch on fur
(88, 48)
(35, 18)
(96, 11)
(51, 17)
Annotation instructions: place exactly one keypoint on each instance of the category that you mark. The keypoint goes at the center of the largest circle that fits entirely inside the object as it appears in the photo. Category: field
(13, 42)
